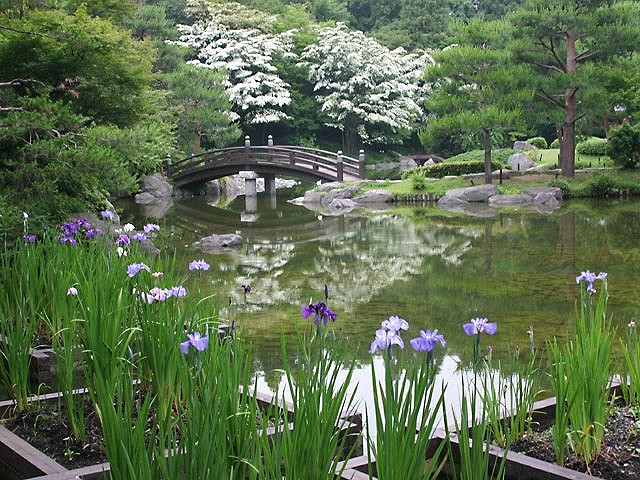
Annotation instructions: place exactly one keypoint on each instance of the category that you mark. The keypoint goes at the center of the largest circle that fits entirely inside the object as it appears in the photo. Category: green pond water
(434, 269)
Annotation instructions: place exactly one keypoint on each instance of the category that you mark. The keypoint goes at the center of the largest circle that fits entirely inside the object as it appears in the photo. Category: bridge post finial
(270, 141)
(361, 164)
(339, 167)
(247, 141)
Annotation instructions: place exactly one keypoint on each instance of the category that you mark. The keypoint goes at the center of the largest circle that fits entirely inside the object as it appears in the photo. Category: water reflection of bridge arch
(270, 160)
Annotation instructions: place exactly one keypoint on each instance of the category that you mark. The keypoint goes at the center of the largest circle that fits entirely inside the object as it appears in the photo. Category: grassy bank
(594, 183)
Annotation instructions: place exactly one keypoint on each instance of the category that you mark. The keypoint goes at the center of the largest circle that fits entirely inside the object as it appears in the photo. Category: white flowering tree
(369, 92)
(256, 91)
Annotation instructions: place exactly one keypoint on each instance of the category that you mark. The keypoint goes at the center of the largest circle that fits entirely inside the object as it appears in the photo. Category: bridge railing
(328, 165)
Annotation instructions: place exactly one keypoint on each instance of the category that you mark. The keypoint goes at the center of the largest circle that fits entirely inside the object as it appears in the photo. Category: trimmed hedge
(444, 169)
(500, 155)
(593, 146)
(538, 142)
(555, 144)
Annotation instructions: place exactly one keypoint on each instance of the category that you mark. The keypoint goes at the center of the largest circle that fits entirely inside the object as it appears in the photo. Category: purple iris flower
(29, 238)
(141, 237)
(123, 239)
(590, 277)
(198, 265)
(151, 227)
(135, 268)
(384, 339)
(178, 291)
(67, 239)
(108, 214)
(247, 288)
(196, 341)
(92, 232)
(320, 311)
(395, 324)
(427, 340)
(159, 294)
(478, 326)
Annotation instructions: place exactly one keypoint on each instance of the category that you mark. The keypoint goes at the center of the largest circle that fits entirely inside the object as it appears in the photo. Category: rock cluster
(483, 200)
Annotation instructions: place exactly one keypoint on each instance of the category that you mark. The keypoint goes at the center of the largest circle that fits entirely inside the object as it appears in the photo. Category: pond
(432, 268)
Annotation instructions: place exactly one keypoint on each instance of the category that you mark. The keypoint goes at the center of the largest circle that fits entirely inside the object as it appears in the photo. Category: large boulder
(312, 196)
(346, 192)
(508, 200)
(520, 162)
(544, 192)
(374, 196)
(216, 242)
(477, 193)
(156, 186)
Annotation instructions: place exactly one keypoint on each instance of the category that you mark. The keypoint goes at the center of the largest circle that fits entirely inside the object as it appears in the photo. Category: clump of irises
(406, 403)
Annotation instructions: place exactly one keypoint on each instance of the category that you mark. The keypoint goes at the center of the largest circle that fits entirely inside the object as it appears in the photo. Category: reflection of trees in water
(394, 250)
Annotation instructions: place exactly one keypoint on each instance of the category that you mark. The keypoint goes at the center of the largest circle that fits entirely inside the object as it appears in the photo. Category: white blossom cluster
(254, 87)
(359, 80)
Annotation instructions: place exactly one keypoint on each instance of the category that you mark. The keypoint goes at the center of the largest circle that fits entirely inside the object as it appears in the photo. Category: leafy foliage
(624, 145)
(204, 109)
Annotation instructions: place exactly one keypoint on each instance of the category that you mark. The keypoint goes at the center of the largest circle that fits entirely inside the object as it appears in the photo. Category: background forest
(96, 94)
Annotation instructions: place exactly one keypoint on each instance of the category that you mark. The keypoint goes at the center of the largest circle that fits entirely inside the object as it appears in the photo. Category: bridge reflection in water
(266, 162)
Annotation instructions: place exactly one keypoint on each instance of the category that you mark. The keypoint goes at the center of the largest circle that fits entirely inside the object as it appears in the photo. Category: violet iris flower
(320, 311)
(69, 240)
(123, 239)
(591, 277)
(151, 227)
(198, 265)
(478, 326)
(427, 340)
(384, 339)
(141, 237)
(135, 268)
(395, 323)
(196, 341)
(29, 238)
(108, 214)
(178, 291)
(247, 288)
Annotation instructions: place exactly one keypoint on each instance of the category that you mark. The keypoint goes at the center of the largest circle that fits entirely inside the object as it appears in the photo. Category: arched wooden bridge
(283, 160)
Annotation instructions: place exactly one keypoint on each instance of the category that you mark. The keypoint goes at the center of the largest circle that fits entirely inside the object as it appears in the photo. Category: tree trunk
(560, 143)
(196, 145)
(486, 137)
(350, 137)
(570, 102)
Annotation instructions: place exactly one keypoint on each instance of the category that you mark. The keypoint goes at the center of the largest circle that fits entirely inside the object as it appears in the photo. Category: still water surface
(434, 269)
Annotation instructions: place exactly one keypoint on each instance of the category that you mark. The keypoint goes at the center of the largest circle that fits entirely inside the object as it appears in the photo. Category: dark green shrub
(444, 169)
(594, 146)
(418, 181)
(624, 145)
(602, 186)
(555, 143)
(566, 189)
(538, 142)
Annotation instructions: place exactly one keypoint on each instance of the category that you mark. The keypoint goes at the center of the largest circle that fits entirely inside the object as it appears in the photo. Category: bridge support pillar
(270, 184)
(251, 191)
